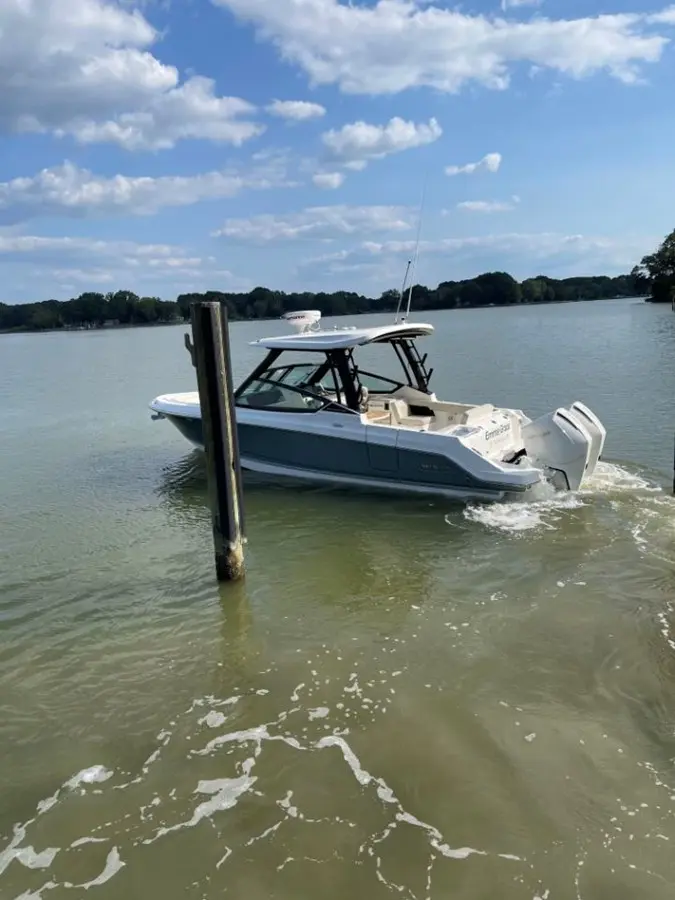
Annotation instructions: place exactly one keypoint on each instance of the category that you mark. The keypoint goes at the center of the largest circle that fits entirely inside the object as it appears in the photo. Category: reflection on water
(350, 546)
(405, 697)
(182, 486)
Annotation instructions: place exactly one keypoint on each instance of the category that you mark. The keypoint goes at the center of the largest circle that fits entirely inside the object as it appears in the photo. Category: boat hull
(189, 427)
(327, 459)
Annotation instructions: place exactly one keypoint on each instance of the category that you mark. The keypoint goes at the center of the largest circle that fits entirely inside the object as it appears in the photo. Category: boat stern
(567, 443)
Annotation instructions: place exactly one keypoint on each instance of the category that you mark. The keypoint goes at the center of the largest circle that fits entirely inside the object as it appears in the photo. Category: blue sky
(167, 146)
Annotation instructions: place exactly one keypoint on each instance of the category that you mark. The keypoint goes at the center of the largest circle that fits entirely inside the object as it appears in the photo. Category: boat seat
(399, 411)
(378, 414)
(419, 423)
(476, 414)
(398, 415)
(262, 399)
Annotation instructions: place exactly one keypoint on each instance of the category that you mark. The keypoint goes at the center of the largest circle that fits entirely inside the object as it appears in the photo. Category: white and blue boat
(324, 419)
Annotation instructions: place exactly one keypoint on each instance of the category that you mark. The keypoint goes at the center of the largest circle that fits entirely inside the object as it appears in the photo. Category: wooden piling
(211, 346)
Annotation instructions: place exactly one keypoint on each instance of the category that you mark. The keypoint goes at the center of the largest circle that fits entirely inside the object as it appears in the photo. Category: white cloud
(524, 254)
(354, 145)
(296, 110)
(71, 191)
(83, 68)
(392, 45)
(665, 17)
(190, 110)
(489, 206)
(318, 223)
(328, 180)
(61, 266)
(516, 4)
(66, 282)
(489, 163)
(486, 206)
(89, 278)
(34, 248)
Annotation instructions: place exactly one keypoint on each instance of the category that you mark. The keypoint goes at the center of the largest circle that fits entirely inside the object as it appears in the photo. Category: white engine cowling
(562, 442)
(597, 431)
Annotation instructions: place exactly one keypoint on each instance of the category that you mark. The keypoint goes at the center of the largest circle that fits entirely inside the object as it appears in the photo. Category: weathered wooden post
(214, 377)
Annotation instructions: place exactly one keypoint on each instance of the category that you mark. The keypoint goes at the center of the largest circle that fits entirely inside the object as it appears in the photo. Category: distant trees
(89, 310)
(94, 310)
(656, 272)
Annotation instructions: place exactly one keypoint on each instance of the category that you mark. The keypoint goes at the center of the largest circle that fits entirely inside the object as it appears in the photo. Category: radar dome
(303, 320)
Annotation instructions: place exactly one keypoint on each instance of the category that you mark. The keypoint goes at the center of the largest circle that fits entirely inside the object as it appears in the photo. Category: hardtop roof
(344, 338)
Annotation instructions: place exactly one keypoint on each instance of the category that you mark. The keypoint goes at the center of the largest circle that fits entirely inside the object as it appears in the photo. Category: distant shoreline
(83, 329)
(120, 326)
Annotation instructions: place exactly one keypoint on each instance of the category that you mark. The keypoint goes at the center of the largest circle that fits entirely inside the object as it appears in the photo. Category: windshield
(261, 393)
(295, 373)
(336, 377)
(377, 384)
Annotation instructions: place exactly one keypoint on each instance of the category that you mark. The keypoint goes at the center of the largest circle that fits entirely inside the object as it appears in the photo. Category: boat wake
(547, 509)
(519, 516)
(611, 478)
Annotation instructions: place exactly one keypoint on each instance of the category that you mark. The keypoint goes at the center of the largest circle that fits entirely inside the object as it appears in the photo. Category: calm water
(405, 698)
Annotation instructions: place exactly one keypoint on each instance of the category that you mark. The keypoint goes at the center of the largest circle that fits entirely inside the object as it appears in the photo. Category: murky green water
(405, 698)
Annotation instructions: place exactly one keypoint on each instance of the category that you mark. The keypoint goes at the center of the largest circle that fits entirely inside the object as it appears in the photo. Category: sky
(169, 146)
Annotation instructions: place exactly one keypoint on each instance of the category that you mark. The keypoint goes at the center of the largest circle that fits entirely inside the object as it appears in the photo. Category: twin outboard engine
(568, 443)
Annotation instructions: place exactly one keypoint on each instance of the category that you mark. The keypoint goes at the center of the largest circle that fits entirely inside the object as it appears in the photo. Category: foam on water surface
(236, 754)
(611, 478)
(518, 516)
(92, 775)
(545, 509)
(113, 864)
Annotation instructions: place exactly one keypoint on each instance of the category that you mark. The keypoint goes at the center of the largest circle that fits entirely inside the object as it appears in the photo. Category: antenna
(417, 245)
(412, 263)
(402, 291)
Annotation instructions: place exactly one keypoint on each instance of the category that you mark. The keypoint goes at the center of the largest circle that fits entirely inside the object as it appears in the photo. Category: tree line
(124, 308)
(655, 275)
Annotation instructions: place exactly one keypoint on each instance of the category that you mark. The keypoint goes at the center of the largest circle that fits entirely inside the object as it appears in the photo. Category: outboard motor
(595, 428)
(567, 442)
